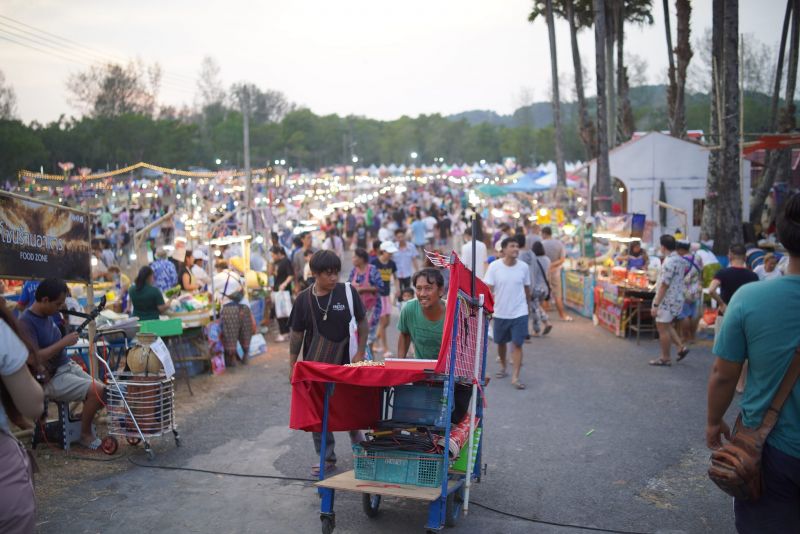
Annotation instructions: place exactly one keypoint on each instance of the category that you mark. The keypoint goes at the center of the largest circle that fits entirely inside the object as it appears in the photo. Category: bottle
(441, 417)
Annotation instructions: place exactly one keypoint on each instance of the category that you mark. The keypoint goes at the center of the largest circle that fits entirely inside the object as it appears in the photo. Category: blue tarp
(527, 183)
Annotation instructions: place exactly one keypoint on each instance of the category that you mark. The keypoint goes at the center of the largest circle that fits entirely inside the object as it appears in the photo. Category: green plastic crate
(398, 467)
(461, 463)
(170, 327)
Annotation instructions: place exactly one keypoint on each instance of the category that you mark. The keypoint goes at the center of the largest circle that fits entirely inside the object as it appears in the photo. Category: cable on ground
(298, 479)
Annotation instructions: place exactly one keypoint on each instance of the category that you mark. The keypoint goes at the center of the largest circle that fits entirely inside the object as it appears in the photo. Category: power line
(55, 52)
(64, 44)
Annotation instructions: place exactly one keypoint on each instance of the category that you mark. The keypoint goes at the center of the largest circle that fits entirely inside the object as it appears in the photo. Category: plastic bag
(283, 304)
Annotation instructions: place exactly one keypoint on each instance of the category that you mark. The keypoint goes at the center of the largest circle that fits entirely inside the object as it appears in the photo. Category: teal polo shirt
(762, 325)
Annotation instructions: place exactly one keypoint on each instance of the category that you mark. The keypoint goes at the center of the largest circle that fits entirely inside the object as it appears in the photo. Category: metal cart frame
(445, 502)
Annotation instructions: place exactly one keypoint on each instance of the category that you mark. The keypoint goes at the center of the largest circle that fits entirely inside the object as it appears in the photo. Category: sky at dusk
(364, 57)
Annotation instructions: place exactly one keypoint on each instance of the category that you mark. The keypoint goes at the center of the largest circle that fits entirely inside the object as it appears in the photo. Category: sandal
(547, 329)
(660, 363)
(518, 385)
(330, 467)
(682, 353)
(93, 446)
(500, 374)
(567, 319)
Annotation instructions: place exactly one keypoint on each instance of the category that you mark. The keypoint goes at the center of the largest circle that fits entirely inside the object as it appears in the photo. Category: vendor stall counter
(579, 291)
(616, 305)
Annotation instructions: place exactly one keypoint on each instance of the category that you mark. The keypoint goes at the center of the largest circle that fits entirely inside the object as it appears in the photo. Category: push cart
(322, 393)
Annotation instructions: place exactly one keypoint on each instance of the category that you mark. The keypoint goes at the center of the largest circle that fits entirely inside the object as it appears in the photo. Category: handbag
(544, 274)
(736, 466)
(352, 327)
(369, 300)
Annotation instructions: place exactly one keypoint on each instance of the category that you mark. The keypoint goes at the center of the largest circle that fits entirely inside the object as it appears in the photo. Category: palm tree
(708, 225)
(551, 30)
(729, 204)
(773, 160)
(676, 91)
(603, 182)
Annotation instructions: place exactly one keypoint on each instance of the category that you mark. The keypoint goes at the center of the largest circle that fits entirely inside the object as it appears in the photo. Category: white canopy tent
(640, 166)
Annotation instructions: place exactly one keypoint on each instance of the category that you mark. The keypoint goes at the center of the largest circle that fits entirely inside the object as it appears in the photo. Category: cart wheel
(455, 501)
(109, 445)
(371, 503)
(328, 524)
(133, 441)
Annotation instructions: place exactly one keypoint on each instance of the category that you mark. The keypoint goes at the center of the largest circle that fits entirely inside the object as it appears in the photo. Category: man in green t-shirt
(422, 318)
(762, 327)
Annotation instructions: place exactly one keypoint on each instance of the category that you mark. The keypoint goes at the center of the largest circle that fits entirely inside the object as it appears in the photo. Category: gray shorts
(69, 384)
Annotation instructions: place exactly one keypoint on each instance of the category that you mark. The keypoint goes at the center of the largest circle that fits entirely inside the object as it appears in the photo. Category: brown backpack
(736, 466)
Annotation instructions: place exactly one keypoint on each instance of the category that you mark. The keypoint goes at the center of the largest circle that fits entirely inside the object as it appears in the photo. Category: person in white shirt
(510, 283)
(198, 269)
(480, 254)
(768, 270)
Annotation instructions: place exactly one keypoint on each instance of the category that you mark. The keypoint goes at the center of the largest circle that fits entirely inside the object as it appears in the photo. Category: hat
(388, 246)
(200, 255)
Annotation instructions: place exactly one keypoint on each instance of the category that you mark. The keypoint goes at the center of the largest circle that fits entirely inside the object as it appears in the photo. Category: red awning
(772, 142)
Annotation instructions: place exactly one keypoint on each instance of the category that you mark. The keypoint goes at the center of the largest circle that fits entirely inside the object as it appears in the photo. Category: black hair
(277, 250)
(682, 245)
(505, 242)
(325, 261)
(408, 291)
(50, 288)
(468, 231)
(431, 275)
(189, 254)
(519, 231)
(296, 241)
(376, 244)
(737, 250)
(361, 253)
(141, 278)
(303, 235)
(504, 227)
(308, 253)
(789, 225)
(668, 242)
(400, 231)
(546, 230)
(538, 248)
(520, 239)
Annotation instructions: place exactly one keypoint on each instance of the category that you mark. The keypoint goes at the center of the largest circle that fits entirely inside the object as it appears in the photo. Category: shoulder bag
(544, 274)
(235, 297)
(736, 466)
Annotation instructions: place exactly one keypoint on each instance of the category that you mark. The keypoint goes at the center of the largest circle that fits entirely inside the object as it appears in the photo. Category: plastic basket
(398, 467)
(169, 327)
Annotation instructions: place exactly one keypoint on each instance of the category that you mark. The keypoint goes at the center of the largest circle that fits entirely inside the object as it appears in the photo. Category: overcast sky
(374, 58)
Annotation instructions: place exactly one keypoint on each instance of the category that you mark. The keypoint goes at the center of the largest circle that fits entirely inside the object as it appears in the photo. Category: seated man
(68, 382)
(422, 319)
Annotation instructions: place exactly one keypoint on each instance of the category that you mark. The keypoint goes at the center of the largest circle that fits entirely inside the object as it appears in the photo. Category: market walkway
(599, 438)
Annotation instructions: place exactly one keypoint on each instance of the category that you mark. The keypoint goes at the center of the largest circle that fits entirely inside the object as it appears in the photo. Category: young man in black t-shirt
(319, 325)
(388, 270)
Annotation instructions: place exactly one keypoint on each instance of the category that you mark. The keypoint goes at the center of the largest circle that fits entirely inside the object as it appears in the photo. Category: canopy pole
(474, 399)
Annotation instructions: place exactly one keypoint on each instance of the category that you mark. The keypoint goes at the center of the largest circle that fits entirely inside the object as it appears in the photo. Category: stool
(639, 326)
(63, 431)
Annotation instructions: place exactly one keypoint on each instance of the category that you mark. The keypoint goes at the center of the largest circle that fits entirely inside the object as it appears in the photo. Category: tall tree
(729, 219)
(587, 128)
(8, 99)
(112, 89)
(771, 161)
(708, 226)
(672, 89)
(625, 122)
(602, 195)
(551, 31)
(683, 13)
(613, 8)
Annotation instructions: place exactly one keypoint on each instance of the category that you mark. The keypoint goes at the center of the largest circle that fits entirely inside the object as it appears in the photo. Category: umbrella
(492, 190)
(457, 173)
(527, 183)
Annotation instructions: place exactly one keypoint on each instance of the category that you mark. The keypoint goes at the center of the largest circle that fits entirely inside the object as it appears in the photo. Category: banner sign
(41, 240)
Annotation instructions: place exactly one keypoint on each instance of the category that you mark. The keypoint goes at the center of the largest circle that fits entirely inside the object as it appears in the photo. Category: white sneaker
(280, 338)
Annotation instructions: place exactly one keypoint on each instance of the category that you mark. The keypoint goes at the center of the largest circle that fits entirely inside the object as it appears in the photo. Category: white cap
(389, 246)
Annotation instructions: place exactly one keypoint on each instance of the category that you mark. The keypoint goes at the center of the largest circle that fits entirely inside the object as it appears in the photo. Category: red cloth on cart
(356, 400)
(460, 279)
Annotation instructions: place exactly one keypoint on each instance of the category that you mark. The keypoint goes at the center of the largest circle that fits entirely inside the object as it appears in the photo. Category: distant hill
(649, 103)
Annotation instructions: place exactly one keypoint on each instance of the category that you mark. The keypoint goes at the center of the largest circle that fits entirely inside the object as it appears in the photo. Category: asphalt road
(598, 439)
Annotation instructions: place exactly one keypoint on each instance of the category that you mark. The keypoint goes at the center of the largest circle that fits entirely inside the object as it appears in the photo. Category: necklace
(328, 305)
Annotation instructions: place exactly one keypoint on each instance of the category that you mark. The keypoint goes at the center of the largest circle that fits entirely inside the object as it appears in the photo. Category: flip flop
(500, 374)
(682, 353)
(330, 467)
(93, 446)
(568, 319)
(547, 329)
(518, 385)
(660, 363)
